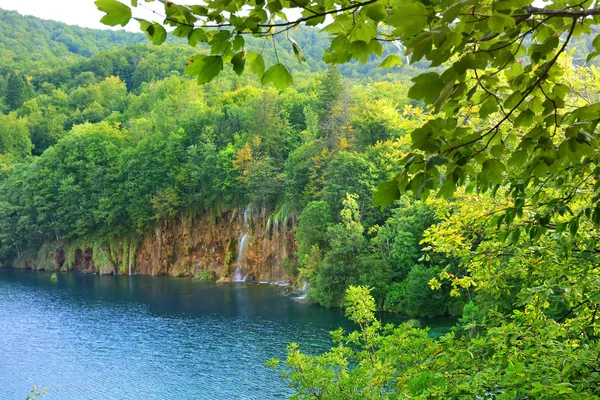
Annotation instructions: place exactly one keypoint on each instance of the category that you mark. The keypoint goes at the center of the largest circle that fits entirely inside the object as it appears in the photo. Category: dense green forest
(110, 145)
(469, 188)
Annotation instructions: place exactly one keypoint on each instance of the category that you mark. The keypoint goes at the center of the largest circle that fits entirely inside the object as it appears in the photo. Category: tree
(16, 91)
(341, 264)
(330, 89)
(15, 144)
(507, 115)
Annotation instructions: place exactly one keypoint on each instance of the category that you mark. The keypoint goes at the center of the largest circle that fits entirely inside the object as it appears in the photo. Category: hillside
(27, 41)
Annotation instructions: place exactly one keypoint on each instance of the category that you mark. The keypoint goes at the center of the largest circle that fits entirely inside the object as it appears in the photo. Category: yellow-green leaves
(363, 31)
(279, 76)
(117, 13)
(391, 61)
(409, 17)
(206, 68)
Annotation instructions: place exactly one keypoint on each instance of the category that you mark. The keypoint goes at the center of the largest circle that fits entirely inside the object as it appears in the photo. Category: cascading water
(237, 276)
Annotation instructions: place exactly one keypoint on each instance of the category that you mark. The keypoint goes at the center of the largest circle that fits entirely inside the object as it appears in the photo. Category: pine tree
(15, 91)
(331, 88)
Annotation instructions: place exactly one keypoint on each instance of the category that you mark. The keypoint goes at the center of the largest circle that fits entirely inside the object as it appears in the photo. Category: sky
(84, 13)
(73, 12)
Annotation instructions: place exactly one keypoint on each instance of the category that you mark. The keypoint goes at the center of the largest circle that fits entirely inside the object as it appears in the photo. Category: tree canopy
(507, 116)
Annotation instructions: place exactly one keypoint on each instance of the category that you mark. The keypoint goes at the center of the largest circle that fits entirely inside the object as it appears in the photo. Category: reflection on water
(103, 337)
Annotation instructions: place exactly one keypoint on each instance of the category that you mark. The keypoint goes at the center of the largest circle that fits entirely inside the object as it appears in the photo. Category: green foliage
(36, 393)
(16, 91)
(472, 322)
(312, 228)
(33, 46)
(417, 299)
(116, 12)
(340, 265)
(205, 275)
(518, 359)
(520, 89)
(290, 265)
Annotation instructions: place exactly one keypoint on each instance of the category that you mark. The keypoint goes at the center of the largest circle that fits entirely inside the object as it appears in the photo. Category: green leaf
(238, 42)
(144, 25)
(525, 119)
(390, 61)
(574, 226)
(386, 193)
(488, 107)
(420, 45)
(376, 11)
(182, 31)
(256, 63)
(363, 31)
(197, 35)
(448, 188)
(435, 161)
(297, 51)
(206, 68)
(589, 113)
(498, 21)
(360, 51)
(117, 13)
(491, 170)
(409, 17)
(159, 34)
(427, 87)
(239, 61)
(279, 76)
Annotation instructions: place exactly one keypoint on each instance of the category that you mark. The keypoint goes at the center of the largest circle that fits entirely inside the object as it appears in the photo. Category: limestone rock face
(239, 245)
(186, 247)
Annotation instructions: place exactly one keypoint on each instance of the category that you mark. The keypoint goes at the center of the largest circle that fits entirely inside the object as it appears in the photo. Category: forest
(457, 175)
(130, 141)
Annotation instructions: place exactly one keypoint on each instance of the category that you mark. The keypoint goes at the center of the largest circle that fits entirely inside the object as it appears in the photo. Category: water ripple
(91, 337)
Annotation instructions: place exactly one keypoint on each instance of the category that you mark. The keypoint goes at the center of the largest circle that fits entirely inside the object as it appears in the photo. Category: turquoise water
(103, 337)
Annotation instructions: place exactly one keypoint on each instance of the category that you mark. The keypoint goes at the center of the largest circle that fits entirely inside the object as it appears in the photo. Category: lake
(104, 337)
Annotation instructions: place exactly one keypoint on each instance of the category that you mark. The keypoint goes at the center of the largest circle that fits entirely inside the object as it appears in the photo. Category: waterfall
(129, 260)
(237, 276)
(303, 292)
(246, 216)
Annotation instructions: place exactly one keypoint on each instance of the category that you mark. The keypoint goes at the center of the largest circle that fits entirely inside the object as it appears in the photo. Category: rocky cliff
(240, 245)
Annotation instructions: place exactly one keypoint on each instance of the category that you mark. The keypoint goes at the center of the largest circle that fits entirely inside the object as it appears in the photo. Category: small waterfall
(129, 261)
(237, 276)
(303, 292)
(246, 211)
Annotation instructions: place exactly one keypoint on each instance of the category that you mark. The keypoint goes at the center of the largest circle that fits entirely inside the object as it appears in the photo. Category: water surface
(102, 337)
